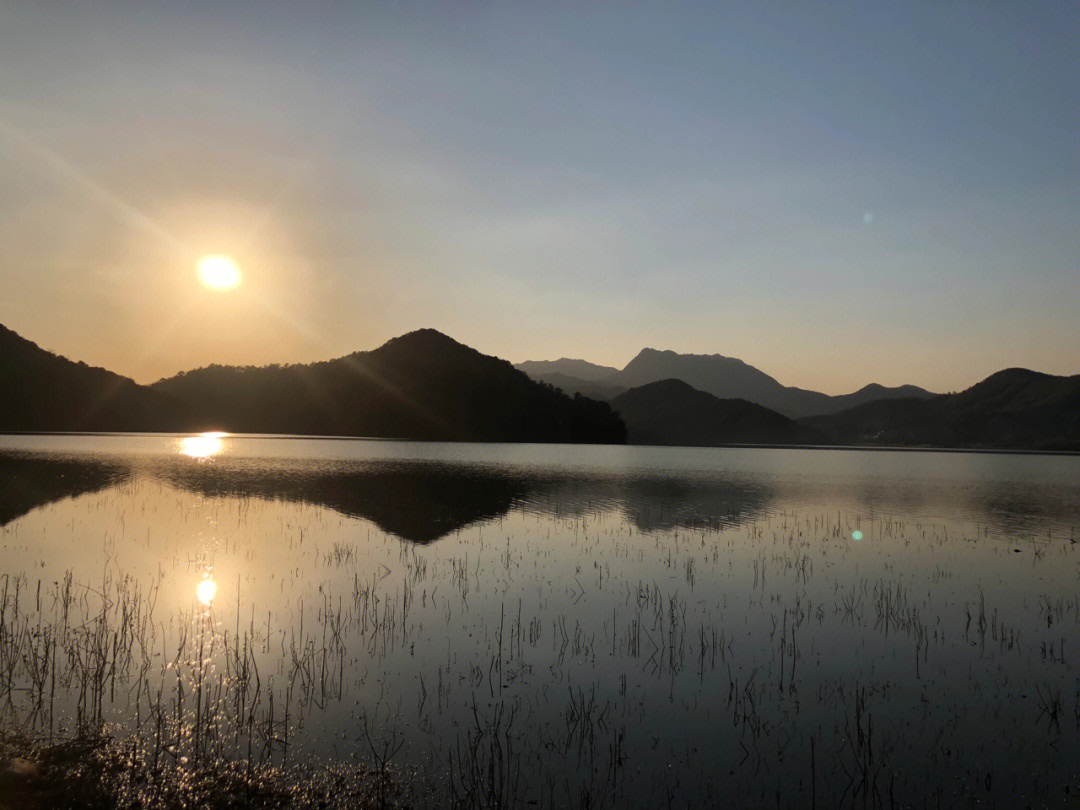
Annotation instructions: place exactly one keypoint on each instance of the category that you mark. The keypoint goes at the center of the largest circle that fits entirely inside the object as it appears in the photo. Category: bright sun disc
(219, 273)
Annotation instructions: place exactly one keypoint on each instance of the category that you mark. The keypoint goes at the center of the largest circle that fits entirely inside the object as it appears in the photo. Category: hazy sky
(835, 193)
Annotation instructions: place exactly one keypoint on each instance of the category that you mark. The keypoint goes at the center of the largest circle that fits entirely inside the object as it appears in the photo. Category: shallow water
(562, 624)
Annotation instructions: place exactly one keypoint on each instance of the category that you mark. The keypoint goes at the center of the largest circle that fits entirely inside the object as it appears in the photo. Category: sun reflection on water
(204, 445)
(205, 591)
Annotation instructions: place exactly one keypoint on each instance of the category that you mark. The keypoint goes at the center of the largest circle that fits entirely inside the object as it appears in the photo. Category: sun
(219, 272)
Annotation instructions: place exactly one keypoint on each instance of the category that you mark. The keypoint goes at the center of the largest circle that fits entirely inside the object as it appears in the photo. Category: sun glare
(202, 446)
(205, 591)
(219, 273)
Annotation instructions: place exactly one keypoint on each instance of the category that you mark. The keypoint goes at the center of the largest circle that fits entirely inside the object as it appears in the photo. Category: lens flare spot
(205, 591)
(856, 535)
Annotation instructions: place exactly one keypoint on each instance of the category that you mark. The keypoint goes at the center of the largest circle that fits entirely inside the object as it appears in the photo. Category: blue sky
(837, 193)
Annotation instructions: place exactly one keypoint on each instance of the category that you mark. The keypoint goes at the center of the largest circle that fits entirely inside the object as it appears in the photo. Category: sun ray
(82, 180)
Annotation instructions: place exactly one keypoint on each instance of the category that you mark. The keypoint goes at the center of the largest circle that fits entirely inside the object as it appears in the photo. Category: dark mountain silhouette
(594, 389)
(703, 372)
(730, 378)
(670, 412)
(422, 385)
(40, 390)
(425, 385)
(1012, 409)
(28, 481)
(723, 377)
(578, 369)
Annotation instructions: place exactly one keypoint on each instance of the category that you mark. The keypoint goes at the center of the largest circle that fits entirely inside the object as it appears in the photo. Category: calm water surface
(563, 625)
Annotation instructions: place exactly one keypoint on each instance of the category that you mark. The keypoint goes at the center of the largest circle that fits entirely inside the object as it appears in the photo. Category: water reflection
(204, 445)
(657, 503)
(422, 500)
(28, 481)
(418, 502)
(807, 631)
(205, 592)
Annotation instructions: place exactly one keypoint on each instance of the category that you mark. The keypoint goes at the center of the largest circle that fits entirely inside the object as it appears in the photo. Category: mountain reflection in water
(415, 501)
(419, 501)
(424, 492)
(30, 481)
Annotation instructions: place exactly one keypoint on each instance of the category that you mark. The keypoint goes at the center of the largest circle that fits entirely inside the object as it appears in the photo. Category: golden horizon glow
(219, 272)
(205, 591)
(204, 445)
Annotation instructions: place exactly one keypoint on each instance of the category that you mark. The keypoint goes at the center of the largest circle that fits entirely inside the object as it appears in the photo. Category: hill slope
(1012, 409)
(670, 412)
(43, 391)
(422, 385)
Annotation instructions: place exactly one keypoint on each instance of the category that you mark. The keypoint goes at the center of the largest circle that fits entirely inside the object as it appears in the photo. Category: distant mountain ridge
(579, 369)
(1012, 409)
(723, 377)
(595, 389)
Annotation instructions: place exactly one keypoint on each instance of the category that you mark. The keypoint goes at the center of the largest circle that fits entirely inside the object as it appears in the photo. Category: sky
(836, 193)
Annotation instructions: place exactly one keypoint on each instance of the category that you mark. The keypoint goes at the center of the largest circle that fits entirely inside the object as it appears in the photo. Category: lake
(551, 625)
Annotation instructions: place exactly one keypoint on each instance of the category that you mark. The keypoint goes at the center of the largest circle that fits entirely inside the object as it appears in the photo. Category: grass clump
(93, 771)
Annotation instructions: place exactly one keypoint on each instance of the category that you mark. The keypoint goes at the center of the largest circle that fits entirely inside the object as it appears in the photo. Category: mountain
(873, 392)
(1012, 409)
(579, 369)
(671, 412)
(422, 385)
(730, 378)
(723, 377)
(594, 389)
(43, 391)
